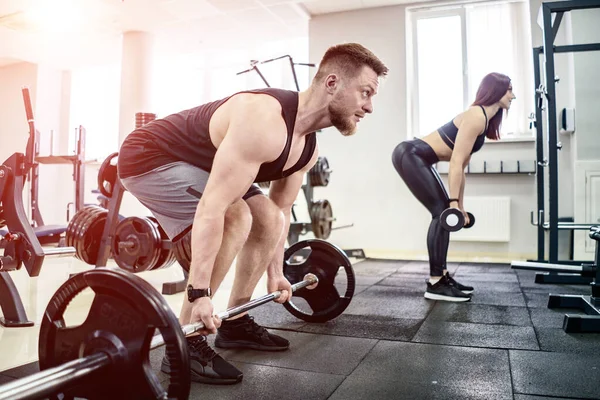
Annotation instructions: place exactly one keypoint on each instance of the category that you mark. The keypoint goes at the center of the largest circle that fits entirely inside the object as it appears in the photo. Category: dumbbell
(453, 220)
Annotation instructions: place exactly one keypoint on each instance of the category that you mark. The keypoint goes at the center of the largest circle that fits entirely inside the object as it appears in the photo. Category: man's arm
(249, 142)
(283, 193)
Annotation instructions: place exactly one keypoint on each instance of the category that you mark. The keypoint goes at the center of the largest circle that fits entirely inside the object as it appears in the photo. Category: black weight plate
(471, 220)
(321, 216)
(75, 223)
(83, 224)
(167, 258)
(80, 229)
(325, 260)
(452, 219)
(91, 235)
(126, 309)
(136, 244)
(77, 230)
(319, 174)
(107, 175)
(183, 251)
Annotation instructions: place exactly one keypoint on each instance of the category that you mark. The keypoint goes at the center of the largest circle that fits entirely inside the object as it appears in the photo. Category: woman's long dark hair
(491, 89)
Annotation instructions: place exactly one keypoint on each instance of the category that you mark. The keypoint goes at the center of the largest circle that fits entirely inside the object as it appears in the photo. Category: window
(178, 82)
(95, 93)
(190, 80)
(452, 48)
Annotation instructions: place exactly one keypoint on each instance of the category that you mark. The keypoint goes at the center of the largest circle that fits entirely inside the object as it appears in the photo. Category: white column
(136, 79)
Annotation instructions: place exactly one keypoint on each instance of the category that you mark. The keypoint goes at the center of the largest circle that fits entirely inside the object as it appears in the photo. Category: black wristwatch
(194, 294)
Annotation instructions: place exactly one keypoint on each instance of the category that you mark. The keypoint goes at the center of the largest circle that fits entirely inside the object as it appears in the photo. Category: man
(196, 171)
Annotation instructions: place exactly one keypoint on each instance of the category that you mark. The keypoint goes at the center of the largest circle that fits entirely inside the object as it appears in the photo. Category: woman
(453, 142)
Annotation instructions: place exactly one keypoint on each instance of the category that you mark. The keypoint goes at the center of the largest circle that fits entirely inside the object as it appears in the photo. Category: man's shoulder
(257, 101)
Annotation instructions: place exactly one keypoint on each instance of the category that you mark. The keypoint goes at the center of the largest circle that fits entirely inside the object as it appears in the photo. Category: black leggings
(413, 160)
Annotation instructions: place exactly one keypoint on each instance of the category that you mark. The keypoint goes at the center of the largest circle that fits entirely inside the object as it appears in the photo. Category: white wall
(587, 87)
(14, 130)
(49, 92)
(51, 110)
(364, 187)
(586, 67)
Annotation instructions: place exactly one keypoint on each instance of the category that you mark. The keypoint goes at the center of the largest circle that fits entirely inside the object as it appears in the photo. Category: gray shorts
(172, 192)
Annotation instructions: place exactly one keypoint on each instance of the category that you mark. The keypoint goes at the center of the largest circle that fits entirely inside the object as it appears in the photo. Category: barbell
(107, 356)
(138, 243)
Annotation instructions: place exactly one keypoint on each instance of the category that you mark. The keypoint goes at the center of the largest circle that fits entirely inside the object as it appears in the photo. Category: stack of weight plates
(142, 119)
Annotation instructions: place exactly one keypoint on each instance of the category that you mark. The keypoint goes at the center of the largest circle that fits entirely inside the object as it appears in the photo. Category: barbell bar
(50, 381)
(309, 282)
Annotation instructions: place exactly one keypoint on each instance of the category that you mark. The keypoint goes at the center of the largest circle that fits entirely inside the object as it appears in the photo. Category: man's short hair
(348, 59)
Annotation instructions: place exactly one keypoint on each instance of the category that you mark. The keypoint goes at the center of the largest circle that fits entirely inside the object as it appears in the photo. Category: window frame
(440, 9)
(426, 14)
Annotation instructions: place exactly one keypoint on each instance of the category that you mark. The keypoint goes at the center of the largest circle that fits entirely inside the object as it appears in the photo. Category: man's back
(194, 135)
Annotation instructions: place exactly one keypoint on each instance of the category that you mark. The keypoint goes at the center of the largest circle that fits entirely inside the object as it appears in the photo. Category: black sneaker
(246, 334)
(443, 290)
(206, 365)
(463, 288)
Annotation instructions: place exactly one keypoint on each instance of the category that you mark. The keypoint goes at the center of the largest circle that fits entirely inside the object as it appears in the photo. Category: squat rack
(548, 49)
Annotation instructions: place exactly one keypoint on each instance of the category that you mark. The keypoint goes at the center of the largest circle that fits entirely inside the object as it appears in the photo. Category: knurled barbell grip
(309, 279)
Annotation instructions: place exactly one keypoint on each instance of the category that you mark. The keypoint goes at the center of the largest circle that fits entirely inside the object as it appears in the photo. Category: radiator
(492, 220)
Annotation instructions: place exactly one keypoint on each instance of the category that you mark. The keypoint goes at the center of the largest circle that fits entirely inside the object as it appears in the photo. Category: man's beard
(340, 120)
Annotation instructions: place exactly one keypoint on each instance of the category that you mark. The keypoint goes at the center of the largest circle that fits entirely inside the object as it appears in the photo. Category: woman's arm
(472, 124)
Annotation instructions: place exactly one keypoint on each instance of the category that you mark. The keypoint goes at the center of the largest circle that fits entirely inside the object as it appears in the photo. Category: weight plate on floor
(124, 314)
(321, 216)
(136, 244)
(325, 260)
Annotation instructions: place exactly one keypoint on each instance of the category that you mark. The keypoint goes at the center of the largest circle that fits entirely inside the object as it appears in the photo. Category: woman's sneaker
(463, 288)
(206, 365)
(444, 291)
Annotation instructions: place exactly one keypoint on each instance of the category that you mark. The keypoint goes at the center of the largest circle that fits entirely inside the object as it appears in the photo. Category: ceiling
(70, 33)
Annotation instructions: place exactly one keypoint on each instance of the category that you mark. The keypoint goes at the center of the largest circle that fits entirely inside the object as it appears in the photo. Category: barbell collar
(8, 263)
(126, 245)
(309, 280)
